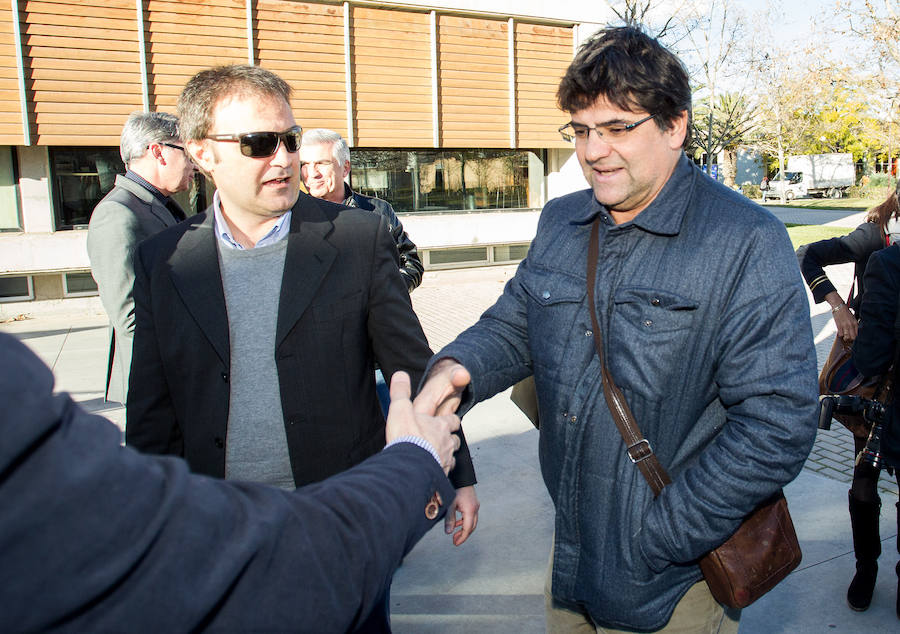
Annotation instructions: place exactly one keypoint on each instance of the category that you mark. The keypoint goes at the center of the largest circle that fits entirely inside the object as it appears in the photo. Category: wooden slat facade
(304, 44)
(72, 53)
(391, 56)
(542, 55)
(184, 37)
(11, 130)
(478, 74)
(83, 74)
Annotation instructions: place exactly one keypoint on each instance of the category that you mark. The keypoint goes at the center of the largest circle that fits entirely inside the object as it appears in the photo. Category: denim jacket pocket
(547, 287)
(649, 332)
(555, 300)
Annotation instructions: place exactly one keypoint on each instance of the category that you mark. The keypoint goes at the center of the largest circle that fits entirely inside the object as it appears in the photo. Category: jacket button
(655, 301)
(433, 507)
(574, 419)
(648, 322)
(588, 333)
(546, 294)
(225, 377)
(219, 442)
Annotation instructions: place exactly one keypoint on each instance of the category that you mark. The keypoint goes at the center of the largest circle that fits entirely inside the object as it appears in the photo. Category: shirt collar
(664, 214)
(143, 182)
(223, 233)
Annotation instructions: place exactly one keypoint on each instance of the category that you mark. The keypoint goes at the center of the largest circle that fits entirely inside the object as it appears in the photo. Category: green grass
(804, 234)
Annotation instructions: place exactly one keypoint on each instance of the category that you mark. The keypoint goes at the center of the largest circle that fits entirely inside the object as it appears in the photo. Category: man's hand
(466, 504)
(443, 388)
(402, 421)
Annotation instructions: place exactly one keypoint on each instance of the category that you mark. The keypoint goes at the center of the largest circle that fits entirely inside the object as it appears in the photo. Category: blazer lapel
(198, 280)
(309, 257)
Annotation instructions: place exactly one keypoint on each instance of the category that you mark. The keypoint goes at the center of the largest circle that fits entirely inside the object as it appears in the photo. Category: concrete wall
(34, 189)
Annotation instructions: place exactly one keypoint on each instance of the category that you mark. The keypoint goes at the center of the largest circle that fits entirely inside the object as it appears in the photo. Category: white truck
(814, 175)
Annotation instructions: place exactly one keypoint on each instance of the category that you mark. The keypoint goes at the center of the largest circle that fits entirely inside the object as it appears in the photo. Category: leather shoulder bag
(764, 549)
(839, 377)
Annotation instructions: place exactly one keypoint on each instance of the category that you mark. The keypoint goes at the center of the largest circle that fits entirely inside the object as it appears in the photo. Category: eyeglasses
(606, 131)
(262, 144)
(172, 145)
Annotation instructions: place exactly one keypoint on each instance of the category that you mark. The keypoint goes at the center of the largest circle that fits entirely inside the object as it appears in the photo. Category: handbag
(524, 396)
(763, 550)
(839, 377)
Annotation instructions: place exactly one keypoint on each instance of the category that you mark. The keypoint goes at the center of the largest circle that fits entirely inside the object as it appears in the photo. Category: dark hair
(632, 71)
(888, 209)
(205, 89)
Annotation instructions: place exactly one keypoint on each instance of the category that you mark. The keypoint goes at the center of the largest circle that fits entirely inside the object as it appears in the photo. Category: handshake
(432, 415)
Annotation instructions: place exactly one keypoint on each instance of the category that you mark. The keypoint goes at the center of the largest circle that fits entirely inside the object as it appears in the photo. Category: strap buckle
(640, 451)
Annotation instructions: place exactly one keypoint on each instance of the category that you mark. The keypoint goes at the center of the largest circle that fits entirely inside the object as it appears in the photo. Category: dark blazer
(876, 345)
(96, 537)
(343, 306)
(854, 247)
(128, 214)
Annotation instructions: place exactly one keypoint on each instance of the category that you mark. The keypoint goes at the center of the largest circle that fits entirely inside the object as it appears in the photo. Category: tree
(716, 32)
(663, 20)
(878, 22)
(723, 124)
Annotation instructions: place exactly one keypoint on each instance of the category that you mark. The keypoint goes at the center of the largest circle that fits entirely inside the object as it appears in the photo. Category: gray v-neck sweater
(256, 443)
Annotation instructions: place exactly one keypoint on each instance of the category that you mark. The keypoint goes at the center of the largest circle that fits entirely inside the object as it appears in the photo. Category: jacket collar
(349, 196)
(664, 214)
(157, 205)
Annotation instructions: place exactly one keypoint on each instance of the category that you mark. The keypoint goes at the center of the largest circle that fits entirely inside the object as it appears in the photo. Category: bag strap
(638, 447)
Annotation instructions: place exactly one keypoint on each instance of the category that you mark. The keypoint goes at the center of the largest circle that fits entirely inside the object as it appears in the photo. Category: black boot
(867, 548)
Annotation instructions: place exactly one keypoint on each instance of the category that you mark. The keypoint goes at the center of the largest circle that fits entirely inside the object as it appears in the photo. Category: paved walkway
(494, 582)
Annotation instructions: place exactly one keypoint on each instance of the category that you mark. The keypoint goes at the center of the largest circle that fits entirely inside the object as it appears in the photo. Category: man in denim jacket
(706, 330)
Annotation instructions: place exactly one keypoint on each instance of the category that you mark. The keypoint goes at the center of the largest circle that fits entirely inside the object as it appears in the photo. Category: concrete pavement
(494, 582)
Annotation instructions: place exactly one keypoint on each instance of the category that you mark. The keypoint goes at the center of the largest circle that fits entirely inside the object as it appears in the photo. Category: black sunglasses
(262, 144)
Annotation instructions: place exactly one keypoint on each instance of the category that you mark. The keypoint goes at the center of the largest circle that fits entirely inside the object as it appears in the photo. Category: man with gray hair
(138, 206)
(324, 166)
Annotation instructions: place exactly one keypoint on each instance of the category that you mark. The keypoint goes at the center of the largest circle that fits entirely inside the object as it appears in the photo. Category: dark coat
(343, 306)
(854, 247)
(411, 267)
(96, 537)
(876, 344)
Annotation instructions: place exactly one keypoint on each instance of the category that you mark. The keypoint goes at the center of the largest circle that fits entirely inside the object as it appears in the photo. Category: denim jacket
(706, 330)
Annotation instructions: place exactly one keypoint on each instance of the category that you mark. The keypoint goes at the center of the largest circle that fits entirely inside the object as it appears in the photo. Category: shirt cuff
(418, 442)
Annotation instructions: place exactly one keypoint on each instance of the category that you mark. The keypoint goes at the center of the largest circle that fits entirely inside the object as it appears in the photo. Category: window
(79, 284)
(14, 289)
(445, 180)
(510, 252)
(82, 176)
(10, 219)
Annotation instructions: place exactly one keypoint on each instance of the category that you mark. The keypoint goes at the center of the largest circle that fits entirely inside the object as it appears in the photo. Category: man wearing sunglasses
(260, 320)
(137, 207)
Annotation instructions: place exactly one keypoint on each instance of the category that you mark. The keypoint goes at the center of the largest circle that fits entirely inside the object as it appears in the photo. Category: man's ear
(677, 130)
(155, 150)
(202, 154)
(347, 171)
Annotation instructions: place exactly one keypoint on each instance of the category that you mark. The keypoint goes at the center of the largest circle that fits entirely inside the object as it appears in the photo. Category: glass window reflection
(444, 180)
